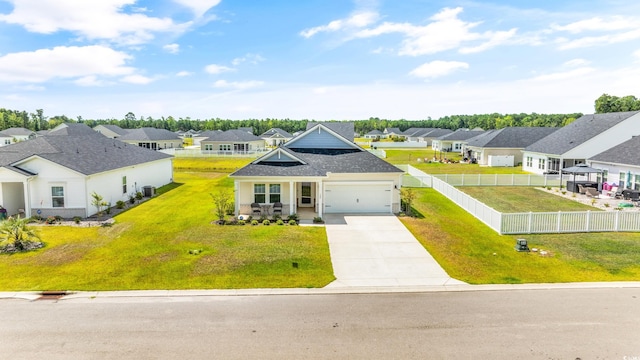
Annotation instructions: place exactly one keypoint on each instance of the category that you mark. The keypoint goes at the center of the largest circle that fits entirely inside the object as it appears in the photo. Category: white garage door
(357, 198)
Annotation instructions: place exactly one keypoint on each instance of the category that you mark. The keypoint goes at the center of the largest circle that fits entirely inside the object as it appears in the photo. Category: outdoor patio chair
(277, 208)
(256, 209)
(592, 192)
(582, 189)
(612, 192)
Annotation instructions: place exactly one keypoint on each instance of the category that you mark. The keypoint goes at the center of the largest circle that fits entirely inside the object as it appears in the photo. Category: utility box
(522, 245)
(148, 191)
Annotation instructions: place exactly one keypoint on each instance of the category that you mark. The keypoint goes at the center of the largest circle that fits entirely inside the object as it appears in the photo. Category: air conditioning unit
(522, 245)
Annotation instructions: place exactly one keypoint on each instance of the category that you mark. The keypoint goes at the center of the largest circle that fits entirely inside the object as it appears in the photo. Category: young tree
(97, 202)
(16, 236)
(408, 196)
(221, 201)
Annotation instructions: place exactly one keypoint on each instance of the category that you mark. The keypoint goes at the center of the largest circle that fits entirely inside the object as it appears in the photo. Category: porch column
(27, 202)
(236, 200)
(319, 199)
(292, 199)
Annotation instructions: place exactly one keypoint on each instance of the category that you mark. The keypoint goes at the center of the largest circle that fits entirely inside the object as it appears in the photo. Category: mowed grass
(512, 199)
(148, 248)
(410, 156)
(211, 164)
(470, 251)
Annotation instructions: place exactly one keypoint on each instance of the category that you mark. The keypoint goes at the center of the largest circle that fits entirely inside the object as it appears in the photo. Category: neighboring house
(275, 136)
(236, 140)
(620, 164)
(582, 139)
(389, 132)
(503, 147)
(454, 141)
(13, 135)
(429, 135)
(110, 131)
(55, 174)
(152, 138)
(320, 170)
(202, 136)
(373, 134)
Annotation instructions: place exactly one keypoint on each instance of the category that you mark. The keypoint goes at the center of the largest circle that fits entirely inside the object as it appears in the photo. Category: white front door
(307, 190)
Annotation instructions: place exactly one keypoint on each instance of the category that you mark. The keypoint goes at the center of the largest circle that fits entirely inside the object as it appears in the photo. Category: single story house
(13, 135)
(503, 147)
(55, 174)
(428, 135)
(454, 141)
(580, 140)
(320, 170)
(110, 131)
(389, 132)
(620, 164)
(275, 136)
(373, 134)
(152, 138)
(236, 140)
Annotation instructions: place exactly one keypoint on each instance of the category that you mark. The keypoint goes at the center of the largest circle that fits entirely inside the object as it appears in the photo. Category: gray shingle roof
(510, 137)
(276, 131)
(115, 128)
(433, 133)
(71, 129)
(87, 154)
(626, 153)
(344, 129)
(577, 132)
(374, 132)
(460, 135)
(230, 135)
(321, 163)
(16, 132)
(149, 134)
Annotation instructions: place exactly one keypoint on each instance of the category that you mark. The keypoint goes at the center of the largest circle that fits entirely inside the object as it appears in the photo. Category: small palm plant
(17, 236)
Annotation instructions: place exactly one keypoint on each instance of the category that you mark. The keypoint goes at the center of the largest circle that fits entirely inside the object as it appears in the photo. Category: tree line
(38, 121)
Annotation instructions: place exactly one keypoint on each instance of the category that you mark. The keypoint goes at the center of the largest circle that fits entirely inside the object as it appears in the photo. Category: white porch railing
(524, 223)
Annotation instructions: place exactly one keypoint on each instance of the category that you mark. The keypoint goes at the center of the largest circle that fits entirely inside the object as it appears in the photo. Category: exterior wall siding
(320, 139)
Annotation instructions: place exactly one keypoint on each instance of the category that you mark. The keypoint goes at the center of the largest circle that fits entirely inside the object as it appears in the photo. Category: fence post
(559, 220)
(530, 222)
(617, 222)
(588, 220)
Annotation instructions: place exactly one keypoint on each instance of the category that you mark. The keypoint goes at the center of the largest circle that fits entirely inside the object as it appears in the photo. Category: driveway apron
(378, 250)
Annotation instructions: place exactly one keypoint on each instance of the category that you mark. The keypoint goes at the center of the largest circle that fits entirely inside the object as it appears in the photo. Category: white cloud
(613, 23)
(253, 59)
(90, 80)
(357, 20)
(183, 73)
(445, 32)
(438, 68)
(137, 79)
(636, 54)
(64, 62)
(237, 85)
(590, 41)
(198, 7)
(571, 74)
(576, 63)
(172, 48)
(94, 20)
(217, 69)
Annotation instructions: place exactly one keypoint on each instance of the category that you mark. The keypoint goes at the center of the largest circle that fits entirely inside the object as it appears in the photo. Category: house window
(529, 161)
(274, 193)
(208, 147)
(636, 182)
(57, 196)
(622, 180)
(541, 164)
(259, 193)
(124, 184)
(224, 147)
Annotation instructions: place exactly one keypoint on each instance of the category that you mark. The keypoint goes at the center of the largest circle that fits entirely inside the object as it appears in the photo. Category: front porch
(296, 197)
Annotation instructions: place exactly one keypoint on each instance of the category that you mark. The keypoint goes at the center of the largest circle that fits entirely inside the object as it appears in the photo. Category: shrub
(292, 222)
(17, 236)
(132, 199)
(241, 222)
(293, 217)
(606, 205)
(120, 204)
(138, 196)
(233, 221)
(263, 218)
(266, 222)
(108, 209)
(318, 220)
(50, 220)
(564, 192)
(76, 219)
(254, 222)
(279, 222)
(277, 217)
(58, 218)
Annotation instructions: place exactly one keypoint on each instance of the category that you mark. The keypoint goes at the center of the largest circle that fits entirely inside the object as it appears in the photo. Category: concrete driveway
(377, 250)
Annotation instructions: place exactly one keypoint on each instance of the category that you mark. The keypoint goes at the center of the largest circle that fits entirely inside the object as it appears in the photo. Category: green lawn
(512, 199)
(212, 164)
(411, 156)
(472, 252)
(148, 248)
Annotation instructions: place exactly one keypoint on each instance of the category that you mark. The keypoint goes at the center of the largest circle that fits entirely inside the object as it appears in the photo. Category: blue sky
(315, 59)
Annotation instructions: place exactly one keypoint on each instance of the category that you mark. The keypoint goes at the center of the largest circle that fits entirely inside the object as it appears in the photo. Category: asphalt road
(515, 324)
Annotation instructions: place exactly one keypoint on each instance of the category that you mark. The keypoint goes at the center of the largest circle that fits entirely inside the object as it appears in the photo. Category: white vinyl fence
(213, 153)
(522, 223)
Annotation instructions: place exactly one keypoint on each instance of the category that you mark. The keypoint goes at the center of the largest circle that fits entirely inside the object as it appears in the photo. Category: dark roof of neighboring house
(16, 131)
(247, 129)
(392, 131)
(624, 154)
(416, 131)
(344, 129)
(319, 162)
(276, 131)
(510, 137)
(230, 135)
(459, 135)
(89, 153)
(433, 133)
(149, 134)
(580, 130)
(374, 132)
(71, 129)
(114, 128)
